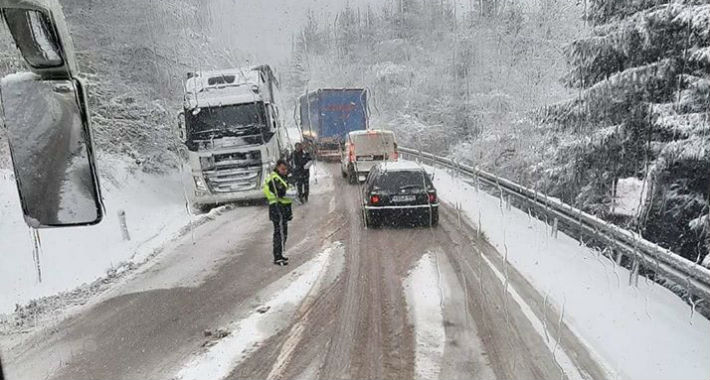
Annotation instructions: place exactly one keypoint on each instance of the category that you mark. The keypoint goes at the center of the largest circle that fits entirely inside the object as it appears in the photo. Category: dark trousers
(280, 235)
(302, 185)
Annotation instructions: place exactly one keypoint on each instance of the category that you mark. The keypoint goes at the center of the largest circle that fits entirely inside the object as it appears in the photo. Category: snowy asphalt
(353, 308)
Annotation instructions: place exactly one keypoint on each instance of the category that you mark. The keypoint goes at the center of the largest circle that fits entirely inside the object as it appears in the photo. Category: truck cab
(233, 133)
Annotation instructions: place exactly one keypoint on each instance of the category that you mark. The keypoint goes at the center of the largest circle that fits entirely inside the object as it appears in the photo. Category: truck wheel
(198, 208)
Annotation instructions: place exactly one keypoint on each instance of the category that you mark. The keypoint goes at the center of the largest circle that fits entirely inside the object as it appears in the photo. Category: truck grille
(238, 171)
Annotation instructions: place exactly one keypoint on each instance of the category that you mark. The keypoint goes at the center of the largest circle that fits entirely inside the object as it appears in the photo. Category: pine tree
(643, 106)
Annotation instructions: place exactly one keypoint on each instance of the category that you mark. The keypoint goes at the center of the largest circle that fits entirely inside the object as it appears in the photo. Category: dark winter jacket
(299, 161)
(275, 188)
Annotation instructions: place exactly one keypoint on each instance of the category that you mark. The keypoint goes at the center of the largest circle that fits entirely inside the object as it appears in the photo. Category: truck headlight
(207, 162)
(200, 184)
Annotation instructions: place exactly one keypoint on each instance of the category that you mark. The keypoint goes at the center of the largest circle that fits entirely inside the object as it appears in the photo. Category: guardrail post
(579, 223)
(633, 274)
(124, 226)
(501, 197)
(507, 202)
(554, 228)
(619, 256)
(458, 213)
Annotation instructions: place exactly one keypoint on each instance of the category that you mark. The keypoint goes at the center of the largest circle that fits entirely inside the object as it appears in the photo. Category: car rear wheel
(371, 220)
(432, 219)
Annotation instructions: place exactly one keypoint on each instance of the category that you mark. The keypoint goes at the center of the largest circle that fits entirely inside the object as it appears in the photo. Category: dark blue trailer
(328, 115)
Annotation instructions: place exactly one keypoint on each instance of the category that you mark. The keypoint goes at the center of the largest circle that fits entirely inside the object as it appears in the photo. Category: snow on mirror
(34, 36)
(51, 149)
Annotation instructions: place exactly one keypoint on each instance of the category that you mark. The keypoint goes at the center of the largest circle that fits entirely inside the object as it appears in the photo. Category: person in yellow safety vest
(280, 212)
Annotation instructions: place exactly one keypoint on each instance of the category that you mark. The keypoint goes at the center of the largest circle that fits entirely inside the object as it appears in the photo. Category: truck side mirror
(47, 121)
(181, 133)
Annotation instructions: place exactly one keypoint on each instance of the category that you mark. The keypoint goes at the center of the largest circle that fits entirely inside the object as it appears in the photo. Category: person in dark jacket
(301, 172)
(280, 213)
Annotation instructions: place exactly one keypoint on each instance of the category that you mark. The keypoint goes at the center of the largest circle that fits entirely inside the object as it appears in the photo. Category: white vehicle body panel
(236, 168)
(365, 149)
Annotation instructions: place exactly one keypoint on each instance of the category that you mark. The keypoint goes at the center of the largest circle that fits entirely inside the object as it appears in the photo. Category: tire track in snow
(293, 338)
(246, 334)
(563, 360)
(424, 300)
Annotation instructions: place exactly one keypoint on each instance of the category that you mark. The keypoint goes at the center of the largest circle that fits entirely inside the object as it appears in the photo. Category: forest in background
(571, 99)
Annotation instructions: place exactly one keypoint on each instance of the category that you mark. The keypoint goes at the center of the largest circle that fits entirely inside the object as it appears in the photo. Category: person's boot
(281, 261)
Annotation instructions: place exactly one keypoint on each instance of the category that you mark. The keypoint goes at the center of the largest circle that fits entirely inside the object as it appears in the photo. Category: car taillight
(395, 156)
(374, 199)
(351, 154)
(432, 197)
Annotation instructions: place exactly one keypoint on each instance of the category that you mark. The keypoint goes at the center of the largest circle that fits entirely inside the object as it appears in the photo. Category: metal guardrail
(695, 279)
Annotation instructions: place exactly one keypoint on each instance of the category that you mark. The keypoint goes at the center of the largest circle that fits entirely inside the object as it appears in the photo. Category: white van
(363, 150)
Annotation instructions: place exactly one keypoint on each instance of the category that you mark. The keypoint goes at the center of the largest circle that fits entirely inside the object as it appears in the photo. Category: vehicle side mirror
(51, 150)
(181, 132)
(47, 121)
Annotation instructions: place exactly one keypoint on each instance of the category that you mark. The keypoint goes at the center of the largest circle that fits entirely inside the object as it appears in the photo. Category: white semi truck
(232, 129)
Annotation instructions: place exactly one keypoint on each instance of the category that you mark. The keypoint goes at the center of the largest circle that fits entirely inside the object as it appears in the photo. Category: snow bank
(245, 335)
(424, 300)
(69, 257)
(643, 332)
(630, 194)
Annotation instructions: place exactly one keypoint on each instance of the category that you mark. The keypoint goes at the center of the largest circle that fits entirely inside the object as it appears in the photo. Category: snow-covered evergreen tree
(642, 110)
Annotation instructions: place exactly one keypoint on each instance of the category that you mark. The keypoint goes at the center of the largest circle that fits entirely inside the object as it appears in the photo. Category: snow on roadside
(69, 257)
(643, 332)
(630, 194)
(424, 301)
(284, 297)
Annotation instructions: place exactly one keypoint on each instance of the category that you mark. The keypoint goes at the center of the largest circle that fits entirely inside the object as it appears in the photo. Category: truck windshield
(247, 122)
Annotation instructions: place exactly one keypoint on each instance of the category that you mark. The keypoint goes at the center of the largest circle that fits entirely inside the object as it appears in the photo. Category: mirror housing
(43, 27)
(51, 149)
(47, 120)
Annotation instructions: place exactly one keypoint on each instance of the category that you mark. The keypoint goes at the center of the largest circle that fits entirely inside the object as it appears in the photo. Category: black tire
(352, 176)
(343, 173)
(371, 220)
(432, 220)
(199, 208)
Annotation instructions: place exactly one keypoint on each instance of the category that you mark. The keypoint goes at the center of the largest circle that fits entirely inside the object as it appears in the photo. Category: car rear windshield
(373, 143)
(393, 181)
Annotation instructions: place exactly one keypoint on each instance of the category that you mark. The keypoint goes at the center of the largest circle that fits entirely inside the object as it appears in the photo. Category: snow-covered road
(354, 303)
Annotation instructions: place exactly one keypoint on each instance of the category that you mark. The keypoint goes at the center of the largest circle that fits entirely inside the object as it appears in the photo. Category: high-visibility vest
(269, 193)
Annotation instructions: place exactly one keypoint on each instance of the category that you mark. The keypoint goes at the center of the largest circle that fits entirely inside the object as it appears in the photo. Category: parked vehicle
(365, 149)
(233, 133)
(399, 191)
(328, 115)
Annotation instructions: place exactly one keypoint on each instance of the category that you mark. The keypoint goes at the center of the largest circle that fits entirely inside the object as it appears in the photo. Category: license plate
(365, 158)
(403, 198)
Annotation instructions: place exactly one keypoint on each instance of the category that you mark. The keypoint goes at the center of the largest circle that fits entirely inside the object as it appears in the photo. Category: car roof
(369, 131)
(399, 166)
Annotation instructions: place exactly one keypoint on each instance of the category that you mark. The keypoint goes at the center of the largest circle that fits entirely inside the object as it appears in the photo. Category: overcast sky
(261, 30)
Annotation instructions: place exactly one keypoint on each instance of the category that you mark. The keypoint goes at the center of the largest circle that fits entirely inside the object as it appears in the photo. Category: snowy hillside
(569, 99)
(42, 263)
